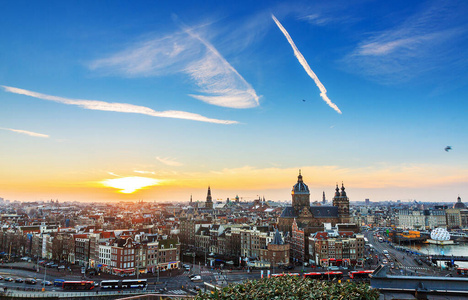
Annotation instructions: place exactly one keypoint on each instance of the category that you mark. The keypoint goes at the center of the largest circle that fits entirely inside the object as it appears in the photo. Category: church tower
(300, 195)
(209, 200)
(341, 201)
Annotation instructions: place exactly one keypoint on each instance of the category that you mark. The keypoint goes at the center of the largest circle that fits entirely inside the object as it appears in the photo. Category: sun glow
(128, 185)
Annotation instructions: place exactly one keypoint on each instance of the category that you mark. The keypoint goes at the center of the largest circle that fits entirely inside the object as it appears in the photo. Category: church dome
(459, 204)
(300, 187)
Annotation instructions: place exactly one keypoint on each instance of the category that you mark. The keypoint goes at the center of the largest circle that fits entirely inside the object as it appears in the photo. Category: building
(297, 242)
(277, 252)
(336, 248)
(313, 217)
(209, 200)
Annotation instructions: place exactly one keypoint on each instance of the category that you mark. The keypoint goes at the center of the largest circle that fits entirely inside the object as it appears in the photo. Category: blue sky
(179, 96)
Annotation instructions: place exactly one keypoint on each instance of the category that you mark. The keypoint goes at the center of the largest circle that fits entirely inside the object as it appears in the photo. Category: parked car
(9, 279)
(19, 280)
(62, 267)
(48, 283)
(54, 266)
(30, 281)
(1, 278)
(25, 258)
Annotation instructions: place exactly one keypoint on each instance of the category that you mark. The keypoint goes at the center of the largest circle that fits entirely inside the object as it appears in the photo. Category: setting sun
(128, 185)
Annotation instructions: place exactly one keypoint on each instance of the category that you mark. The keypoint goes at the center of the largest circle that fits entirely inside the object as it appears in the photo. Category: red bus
(363, 275)
(78, 285)
(462, 271)
(332, 275)
(313, 275)
(284, 274)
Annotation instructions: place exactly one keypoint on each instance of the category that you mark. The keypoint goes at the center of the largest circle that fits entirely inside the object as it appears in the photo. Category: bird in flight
(303, 100)
(448, 148)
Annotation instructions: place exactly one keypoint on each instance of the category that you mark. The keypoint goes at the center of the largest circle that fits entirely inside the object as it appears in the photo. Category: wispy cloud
(118, 107)
(188, 53)
(30, 133)
(169, 161)
(425, 41)
(305, 65)
(144, 172)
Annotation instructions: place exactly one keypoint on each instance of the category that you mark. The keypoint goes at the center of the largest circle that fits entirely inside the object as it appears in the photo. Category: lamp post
(45, 273)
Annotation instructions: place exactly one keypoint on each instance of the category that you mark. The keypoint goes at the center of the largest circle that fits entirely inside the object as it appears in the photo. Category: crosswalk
(177, 292)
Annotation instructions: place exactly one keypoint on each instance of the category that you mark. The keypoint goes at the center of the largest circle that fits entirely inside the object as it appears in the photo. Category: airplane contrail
(305, 65)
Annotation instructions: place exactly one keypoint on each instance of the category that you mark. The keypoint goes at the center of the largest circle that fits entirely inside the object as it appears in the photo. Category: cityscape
(181, 248)
(233, 150)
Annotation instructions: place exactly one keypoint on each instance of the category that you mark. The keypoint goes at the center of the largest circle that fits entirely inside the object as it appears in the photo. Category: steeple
(343, 193)
(299, 178)
(337, 190)
(209, 200)
(323, 198)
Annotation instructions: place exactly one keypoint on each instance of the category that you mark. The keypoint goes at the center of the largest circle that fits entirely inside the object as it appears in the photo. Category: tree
(290, 287)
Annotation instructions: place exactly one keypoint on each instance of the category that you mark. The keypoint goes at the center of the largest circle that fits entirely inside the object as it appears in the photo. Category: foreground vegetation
(288, 287)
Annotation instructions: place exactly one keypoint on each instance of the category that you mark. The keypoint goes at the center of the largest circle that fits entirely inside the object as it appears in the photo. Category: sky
(156, 101)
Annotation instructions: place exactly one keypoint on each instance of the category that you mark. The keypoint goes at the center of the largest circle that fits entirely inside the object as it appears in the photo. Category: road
(404, 262)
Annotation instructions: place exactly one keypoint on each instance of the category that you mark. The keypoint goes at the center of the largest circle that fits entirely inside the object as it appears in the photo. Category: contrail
(305, 65)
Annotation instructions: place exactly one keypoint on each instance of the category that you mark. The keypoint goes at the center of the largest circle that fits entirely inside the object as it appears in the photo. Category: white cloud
(423, 42)
(305, 65)
(185, 52)
(118, 107)
(169, 161)
(30, 133)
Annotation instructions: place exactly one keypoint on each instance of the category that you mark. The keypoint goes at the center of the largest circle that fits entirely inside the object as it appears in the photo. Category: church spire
(337, 190)
(343, 193)
(323, 198)
(299, 178)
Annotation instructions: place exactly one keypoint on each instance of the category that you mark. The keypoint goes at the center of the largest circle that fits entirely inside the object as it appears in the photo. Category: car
(196, 278)
(19, 280)
(193, 275)
(25, 258)
(62, 267)
(30, 281)
(385, 252)
(54, 266)
(197, 288)
(9, 279)
(48, 283)
(1, 278)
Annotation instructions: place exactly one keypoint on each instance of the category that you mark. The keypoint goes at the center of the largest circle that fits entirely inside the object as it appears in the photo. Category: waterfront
(431, 249)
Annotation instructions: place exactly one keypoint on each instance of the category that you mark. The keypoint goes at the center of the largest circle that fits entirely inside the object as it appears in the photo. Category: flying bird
(303, 100)
(448, 148)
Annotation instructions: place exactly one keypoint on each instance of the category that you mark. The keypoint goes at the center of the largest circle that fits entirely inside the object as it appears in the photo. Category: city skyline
(157, 101)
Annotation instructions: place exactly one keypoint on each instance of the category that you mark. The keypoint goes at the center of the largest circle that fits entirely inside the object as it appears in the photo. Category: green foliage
(289, 288)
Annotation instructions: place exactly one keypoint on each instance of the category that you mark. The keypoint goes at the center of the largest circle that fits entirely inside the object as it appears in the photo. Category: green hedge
(288, 287)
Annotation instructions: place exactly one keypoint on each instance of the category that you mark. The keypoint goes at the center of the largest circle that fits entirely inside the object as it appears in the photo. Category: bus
(110, 284)
(360, 275)
(313, 275)
(124, 284)
(462, 271)
(133, 283)
(285, 274)
(78, 285)
(59, 282)
(332, 275)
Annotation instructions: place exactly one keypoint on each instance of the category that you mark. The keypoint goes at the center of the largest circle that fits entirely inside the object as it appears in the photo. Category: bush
(288, 287)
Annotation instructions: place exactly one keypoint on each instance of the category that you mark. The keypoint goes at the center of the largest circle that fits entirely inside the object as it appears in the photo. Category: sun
(128, 185)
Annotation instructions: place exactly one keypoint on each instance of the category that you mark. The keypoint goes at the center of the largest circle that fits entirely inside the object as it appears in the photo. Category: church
(312, 218)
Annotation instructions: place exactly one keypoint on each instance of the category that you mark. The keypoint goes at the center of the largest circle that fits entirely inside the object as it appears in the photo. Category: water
(431, 249)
